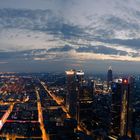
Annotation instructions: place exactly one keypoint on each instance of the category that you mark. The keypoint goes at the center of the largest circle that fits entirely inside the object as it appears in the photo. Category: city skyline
(44, 35)
(74, 105)
(69, 69)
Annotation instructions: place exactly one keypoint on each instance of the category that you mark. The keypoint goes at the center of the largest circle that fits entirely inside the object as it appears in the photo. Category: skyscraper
(80, 77)
(80, 80)
(79, 94)
(121, 107)
(109, 76)
(71, 97)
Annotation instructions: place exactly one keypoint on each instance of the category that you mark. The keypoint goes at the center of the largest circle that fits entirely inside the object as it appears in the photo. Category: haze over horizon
(55, 35)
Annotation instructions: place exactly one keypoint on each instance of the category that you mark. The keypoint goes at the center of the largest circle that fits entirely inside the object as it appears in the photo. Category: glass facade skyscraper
(121, 107)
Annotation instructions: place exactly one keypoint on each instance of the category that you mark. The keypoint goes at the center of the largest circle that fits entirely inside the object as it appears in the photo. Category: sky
(55, 35)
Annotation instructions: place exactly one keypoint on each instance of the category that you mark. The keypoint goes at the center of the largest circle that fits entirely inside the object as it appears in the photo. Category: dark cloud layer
(72, 36)
(133, 43)
(101, 50)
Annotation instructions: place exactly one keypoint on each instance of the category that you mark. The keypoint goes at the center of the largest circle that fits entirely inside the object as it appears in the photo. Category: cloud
(81, 54)
(101, 50)
(133, 43)
(3, 62)
(65, 48)
(80, 31)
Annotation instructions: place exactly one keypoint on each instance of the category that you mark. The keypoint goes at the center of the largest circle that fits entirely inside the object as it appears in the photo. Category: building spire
(110, 68)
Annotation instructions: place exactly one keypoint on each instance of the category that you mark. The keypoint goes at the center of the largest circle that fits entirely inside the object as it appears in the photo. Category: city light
(125, 81)
(71, 72)
(49, 103)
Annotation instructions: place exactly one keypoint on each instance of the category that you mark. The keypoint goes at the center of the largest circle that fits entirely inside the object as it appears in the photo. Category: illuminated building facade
(71, 98)
(80, 77)
(85, 90)
(79, 94)
(80, 82)
(121, 108)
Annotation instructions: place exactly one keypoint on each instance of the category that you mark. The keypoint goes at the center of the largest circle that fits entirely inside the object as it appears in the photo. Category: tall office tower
(85, 91)
(92, 87)
(80, 77)
(80, 81)
(136, 123)
(131, 81)
(109, 76)
(71, 97)
(121, 108)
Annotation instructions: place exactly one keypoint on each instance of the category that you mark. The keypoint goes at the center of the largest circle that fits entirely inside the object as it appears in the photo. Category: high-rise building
(80, 77)
(136, 123)
(79, 94)
(121, 108)
(109, 76)
(85, 90)
(71, 97)
(80, 81)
